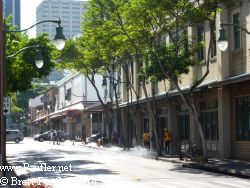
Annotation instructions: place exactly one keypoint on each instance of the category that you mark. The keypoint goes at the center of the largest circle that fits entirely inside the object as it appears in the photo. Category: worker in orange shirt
(146, 140)
(167, 140)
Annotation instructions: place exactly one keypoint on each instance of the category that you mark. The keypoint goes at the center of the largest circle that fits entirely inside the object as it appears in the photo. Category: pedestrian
(153, 141)
(99, 138)
(114, 137)
(57, 137)
(167, 140)
(54, 136)
(146, 140)
(51, 136)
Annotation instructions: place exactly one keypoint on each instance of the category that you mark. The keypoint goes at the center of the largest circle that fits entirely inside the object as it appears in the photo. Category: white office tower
(69, 11)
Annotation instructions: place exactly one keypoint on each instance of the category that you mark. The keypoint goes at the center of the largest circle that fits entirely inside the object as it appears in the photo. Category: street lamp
(59, 41)
(104, 87)
(48, 108)
(222, 41)
(39, 59)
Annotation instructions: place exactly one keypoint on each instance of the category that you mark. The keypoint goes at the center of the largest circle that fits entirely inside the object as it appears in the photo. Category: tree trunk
(153, 115)
(194, 113)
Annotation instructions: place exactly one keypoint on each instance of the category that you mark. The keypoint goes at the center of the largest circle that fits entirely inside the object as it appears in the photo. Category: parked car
(14, 135)
(46, 136)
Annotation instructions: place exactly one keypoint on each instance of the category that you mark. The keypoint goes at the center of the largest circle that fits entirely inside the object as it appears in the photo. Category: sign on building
(6, 105)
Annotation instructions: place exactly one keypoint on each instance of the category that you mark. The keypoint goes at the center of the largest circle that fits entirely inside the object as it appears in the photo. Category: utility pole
(2, 132)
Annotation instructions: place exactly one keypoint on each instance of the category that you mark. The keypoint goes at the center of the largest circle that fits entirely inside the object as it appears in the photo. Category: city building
(223, 98)
(69, 11)
(65, 107)
(12, 7)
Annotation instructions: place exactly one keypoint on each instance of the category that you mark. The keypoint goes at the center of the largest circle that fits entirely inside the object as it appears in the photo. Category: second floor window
(213, 44)
(236, 31)
(200, 38)
(68, 95)
(97, 117)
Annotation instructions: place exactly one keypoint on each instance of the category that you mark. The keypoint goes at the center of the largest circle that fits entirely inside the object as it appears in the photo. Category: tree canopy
(154, 34)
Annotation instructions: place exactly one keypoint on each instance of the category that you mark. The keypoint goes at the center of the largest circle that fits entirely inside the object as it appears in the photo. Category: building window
(145, 118)
(68, 95)
(184, 130)
(78, 118)
(242, 118)
(213, 34)
(200, 39)
(209, 120)
(97, 117)
(236, 31)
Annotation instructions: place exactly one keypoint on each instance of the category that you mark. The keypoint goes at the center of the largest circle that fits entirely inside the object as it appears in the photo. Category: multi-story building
(65, 107)
(12, 7)
(69, 11)
(223, 99)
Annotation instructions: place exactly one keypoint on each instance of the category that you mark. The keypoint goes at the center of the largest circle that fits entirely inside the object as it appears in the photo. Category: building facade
(12, 7)
(65, 107)
(223, 98)
(69, 11)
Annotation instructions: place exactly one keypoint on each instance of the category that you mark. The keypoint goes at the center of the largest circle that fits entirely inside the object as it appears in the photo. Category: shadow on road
(63, 168)
(180, 169)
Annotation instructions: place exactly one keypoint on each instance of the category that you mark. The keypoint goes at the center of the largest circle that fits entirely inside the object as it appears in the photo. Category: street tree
(20, 100)
(120, 32)
(170, 60)
(142, 24)
(100, 50)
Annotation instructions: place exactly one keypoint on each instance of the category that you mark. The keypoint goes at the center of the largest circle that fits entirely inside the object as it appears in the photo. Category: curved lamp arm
(235, 25)
(23, 49)
(59, 40)
(52, 21)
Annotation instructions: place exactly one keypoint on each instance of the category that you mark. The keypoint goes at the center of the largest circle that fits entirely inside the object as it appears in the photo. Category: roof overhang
(231, 80)
(75, 108)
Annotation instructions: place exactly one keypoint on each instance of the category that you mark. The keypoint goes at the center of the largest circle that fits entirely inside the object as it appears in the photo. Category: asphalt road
(68, 165)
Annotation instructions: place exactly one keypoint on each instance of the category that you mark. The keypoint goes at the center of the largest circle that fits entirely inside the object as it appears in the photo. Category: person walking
(167, 140)
(57, 137)
(54, 136)
(153, 140)
(51, 136)
(146, 140)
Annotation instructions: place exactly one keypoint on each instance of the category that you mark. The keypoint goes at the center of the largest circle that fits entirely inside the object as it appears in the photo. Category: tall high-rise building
(69, 11)
(12, 7)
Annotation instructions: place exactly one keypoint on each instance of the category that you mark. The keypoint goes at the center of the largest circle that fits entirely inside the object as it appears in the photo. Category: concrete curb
(226, 171)
(208, 167)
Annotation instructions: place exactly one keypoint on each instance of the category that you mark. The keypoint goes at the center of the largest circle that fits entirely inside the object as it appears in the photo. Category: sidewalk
(231, 167)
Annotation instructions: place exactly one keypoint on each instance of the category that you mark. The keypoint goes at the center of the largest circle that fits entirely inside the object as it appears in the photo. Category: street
(76, 165)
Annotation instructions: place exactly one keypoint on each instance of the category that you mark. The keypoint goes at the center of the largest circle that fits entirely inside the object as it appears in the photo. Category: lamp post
(105, 91)
(223, 41)
(48, 108)
(59, 42)
(104, 87)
